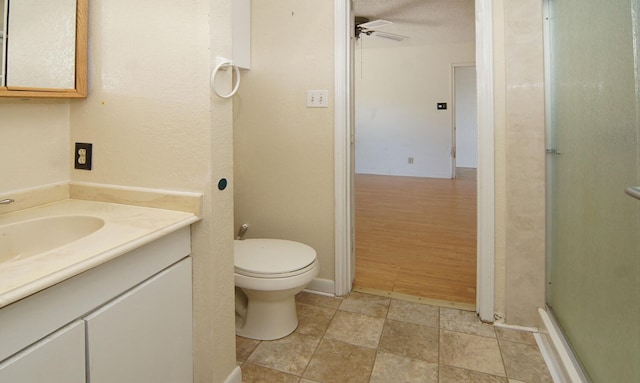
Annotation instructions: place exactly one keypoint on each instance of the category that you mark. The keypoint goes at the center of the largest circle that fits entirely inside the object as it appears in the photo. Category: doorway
(415, 229)
(343, 155)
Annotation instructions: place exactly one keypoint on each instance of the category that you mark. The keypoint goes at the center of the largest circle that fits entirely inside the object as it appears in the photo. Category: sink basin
(27, 238)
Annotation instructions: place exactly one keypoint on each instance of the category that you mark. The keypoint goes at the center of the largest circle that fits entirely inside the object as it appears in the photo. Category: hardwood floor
(417, 236)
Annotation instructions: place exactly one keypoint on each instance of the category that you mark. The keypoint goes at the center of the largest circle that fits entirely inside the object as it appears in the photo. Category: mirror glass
(41, 44)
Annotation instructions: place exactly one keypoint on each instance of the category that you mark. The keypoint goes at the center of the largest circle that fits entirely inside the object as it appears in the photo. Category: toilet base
(266, 315)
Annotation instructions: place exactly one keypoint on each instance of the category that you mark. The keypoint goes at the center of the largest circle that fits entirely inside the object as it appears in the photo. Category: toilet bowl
(268, 274)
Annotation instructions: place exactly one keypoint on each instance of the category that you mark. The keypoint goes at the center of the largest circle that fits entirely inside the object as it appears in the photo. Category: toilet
(268, 274)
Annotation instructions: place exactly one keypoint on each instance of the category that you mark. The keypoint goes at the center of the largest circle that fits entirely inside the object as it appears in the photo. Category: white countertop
(126, 228)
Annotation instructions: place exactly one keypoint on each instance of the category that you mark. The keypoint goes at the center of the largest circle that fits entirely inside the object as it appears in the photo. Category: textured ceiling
(424, 21)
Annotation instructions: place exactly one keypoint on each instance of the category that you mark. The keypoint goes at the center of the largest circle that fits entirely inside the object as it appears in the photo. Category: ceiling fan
(364, 25)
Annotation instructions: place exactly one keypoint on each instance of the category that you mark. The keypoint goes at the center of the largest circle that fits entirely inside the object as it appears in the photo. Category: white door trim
(486, 162)
(342, 156)
(342, 152)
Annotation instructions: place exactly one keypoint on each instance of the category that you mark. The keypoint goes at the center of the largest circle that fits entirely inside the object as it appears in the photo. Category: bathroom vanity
(112, 306)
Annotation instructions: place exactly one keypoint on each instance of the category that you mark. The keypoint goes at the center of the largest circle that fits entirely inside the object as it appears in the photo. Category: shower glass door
(593, 156)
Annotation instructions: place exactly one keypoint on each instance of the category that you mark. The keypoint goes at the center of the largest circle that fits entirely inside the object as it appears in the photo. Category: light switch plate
(317, 99)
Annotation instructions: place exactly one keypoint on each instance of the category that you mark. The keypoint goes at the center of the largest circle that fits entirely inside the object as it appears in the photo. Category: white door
(465, 118)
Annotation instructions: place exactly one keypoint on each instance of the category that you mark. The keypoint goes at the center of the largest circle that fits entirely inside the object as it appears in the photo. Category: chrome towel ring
(223, 64)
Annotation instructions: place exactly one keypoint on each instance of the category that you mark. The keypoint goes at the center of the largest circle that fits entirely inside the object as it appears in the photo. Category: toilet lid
(271, 256)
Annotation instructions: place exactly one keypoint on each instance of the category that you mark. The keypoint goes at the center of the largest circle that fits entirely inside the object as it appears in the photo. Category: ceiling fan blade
(390, 36)
(375, 24)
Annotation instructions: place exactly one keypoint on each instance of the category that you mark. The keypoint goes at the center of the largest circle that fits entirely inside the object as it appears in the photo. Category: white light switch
(317, 99)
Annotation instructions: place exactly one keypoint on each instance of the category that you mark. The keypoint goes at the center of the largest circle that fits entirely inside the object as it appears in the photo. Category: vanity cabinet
(145, 334)
(128, 320)
(58, 358)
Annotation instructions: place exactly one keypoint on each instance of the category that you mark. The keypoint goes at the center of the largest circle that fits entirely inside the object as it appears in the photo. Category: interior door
(594, 283)
(465, 148)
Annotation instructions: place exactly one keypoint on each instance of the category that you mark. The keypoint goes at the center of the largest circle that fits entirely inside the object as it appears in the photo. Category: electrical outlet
(83, 156)
(411, 160)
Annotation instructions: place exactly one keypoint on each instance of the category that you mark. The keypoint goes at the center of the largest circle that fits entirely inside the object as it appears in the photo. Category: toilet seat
(272, 258)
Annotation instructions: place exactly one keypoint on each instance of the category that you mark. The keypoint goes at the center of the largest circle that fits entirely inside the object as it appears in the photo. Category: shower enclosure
(593, 261)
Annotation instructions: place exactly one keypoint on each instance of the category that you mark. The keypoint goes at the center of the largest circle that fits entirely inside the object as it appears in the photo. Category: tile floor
(367, 338)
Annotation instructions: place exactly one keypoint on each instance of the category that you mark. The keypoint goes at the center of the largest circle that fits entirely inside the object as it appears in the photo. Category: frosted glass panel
(594, 289)
(3, 41)
(41, 44)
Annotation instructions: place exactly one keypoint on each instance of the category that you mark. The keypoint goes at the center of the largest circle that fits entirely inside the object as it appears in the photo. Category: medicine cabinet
(44, 48)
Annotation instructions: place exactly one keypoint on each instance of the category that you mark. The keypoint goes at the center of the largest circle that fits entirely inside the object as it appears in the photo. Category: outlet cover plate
(83, 154)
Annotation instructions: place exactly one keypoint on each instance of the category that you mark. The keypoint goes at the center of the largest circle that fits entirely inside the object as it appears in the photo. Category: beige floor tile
(413, 312)
(515, 335)
(450, 374)
(464, 321)
(318, 300)
(358, 329)
(395, 368)
(410, 340)
(257, 374)
(341, 362)
(244, 347)
(313, 320)
(290, 354)
(354, 343)
(472, 352)
(524, 362)
(366, 304)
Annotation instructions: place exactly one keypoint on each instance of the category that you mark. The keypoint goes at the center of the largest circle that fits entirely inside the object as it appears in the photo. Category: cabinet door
(145, 334)
(58, 358)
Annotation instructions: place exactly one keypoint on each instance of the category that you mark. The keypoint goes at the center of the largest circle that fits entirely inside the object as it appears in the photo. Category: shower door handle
(634, 192)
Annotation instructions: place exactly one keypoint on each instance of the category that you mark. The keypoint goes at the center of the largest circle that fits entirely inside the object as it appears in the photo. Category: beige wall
(284, 183)
(34, 143)
(149, 118)
(153, 123)
(520, 161)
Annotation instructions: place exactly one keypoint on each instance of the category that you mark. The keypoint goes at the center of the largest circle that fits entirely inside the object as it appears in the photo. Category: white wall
(396, 93)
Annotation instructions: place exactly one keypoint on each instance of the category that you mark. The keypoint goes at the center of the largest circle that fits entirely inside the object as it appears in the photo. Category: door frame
(343, 151)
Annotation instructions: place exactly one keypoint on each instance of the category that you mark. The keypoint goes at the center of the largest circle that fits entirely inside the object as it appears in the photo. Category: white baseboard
(515, 327)
(563, 365)
(235, 376)
(322, 287)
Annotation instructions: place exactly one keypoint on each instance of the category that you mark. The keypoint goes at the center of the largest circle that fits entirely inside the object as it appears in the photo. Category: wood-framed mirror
(66, 61)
